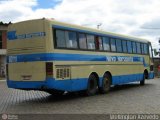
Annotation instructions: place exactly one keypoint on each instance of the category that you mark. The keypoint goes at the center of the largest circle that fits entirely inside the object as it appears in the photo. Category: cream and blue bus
(45, 54)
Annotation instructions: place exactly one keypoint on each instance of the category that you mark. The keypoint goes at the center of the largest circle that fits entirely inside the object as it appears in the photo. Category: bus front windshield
(151, 52)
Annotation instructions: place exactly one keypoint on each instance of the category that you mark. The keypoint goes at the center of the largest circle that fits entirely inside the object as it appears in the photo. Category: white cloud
(13, 10)
(121, 16)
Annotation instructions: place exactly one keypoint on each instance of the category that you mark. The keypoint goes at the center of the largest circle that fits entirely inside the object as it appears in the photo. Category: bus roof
(91, 30)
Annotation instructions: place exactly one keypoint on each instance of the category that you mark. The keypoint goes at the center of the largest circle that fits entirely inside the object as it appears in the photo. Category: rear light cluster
(49, 69)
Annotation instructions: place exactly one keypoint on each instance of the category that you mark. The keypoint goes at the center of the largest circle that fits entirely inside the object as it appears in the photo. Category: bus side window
(124, 46)
(134, 47)
(129, 46)
(82, 41)
(98, 41)
(138, 48)
(119, 45)
(106, 43)
(91, 42)
(71, 39)
(145, 48)
(142, 48)
(113, 45)
(60, 39)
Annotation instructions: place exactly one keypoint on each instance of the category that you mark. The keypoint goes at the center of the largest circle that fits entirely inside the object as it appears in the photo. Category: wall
(4, 39)
(156, 63)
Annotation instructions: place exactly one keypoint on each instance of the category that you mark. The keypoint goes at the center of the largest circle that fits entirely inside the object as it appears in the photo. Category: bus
(57, 57)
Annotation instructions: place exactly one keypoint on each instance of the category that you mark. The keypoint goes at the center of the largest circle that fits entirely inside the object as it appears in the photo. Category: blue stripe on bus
(55, 57)
(66, 57)
(70, 85)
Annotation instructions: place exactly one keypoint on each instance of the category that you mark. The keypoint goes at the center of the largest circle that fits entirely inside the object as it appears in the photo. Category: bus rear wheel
(92, 85)
(106, 84)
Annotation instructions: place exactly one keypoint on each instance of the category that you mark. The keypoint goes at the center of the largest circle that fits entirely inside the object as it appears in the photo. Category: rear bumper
(50, 83)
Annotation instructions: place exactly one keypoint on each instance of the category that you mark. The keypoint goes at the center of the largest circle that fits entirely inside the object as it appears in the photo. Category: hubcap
(106, 82)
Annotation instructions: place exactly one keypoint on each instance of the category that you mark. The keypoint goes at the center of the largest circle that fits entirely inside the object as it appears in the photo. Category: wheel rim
(106, 83)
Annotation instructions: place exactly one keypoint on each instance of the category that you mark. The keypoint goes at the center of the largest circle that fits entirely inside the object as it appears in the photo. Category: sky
(139, 18)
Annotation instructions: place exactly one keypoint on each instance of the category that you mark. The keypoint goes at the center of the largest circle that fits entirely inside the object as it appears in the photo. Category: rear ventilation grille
(62, 73)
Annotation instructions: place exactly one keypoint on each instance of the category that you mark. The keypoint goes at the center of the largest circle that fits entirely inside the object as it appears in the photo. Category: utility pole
(159, 60)
(159, 50)
(98, 26)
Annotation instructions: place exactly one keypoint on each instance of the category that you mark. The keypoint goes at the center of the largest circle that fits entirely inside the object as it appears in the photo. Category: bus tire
(92, 85)
(142, 82)
(106, 84)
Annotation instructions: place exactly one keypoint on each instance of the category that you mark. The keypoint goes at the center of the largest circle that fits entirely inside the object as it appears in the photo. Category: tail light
(49, 69)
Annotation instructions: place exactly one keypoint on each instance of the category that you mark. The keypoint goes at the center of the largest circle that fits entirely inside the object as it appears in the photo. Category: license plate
(26, 77)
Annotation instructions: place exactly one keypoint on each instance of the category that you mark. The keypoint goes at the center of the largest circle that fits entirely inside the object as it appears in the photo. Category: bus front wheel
(92, 85)
(106, 83)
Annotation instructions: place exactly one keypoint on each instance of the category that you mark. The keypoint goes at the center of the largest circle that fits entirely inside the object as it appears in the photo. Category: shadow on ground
(72, 96)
